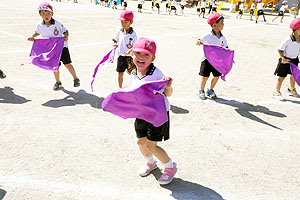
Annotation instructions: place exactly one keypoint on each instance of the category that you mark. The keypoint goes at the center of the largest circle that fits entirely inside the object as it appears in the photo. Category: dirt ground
(61, 145)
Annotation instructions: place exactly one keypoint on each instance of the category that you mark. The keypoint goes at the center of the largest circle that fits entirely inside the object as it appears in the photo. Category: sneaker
(293, 92)
(146, 169)
(57, 86)
(2, 75)
(278, 96)
(281, 21)
(265, 20)
(76, 82)
(211, 93)
(168, 175)
(202, 94)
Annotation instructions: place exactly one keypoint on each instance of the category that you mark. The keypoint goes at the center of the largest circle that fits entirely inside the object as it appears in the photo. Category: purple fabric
(295, 72)
(46, 53)
(108, 58)
(220, 58)
(143, 102)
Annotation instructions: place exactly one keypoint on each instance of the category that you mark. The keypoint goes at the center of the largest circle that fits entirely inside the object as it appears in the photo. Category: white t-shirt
(260, 6)
(158, 1)
(124, 41)
(56, 29)
(153, 74)
(211, 38)
(182, 2)
(140, 1)
(174, 3)
(203, 4)
(241, 6)
(214, 5)
(252, 6)
(168, 1)
(282, 8)
(290, 47)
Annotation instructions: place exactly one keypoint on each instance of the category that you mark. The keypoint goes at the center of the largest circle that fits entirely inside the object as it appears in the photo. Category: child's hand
(66, 39)
(198, 43)
(30, 39)
(115, 45)
(129, 52)
(169, 84)
(284, 60)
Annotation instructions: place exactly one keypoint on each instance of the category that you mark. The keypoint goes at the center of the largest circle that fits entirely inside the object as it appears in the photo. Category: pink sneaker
(146, 169)
(168, 175)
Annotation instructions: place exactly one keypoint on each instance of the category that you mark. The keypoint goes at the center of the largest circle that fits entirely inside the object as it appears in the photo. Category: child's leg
(279, 83)
(142, 145)
(203, 82)
(56, 75)
(292, 82)
(120, 78)
(214, 82)
(71, 70)
(157, 151)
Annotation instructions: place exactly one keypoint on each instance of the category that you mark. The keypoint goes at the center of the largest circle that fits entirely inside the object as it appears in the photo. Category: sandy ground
(61, 145)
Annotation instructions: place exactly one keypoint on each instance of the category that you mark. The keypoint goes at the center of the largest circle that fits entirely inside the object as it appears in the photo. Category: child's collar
(129, 32)
(214, 33)
(52, 21)
(293, 38)
(150, 71)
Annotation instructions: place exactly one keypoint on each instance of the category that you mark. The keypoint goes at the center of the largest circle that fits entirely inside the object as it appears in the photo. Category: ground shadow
(245, 109)
(2, 194)
(182, 190)
(8, 96)
(178, 110)
(76, 98)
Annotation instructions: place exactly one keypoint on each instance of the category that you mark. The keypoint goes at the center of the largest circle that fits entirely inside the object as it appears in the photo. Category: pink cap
(213, 18)
(295, 24)
(45, 6)
(145, 45)
(126, 15)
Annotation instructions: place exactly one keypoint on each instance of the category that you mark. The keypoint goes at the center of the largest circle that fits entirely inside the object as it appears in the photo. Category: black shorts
(140, 6)
(157, 5)
(182, 7)
(260, 12)
(167, 5)
(251, 11)
(122, 64)
(125, 4)
(115, 3)
(146, 129)
(173, 8)
(101, 0)
(283, 69)
(106, 1)
(203, 10)
(214, 9)
(65, 57)
(280, 13)
(206, 68)
(240, 12)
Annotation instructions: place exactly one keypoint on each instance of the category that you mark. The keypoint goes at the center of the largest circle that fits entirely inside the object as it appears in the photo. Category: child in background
(281, 11)
(140, 5)
(260, 10)
(125, 5)
(241, 9)
(124, 40)
(215, 37)
(252, 9)
(173, 7)
(2, 75)
(214, 6)
(114, 6)
(167, 5)
(211, 2)
(147, 134)
(157, 5)
(289, 51)
(203, 5)
(50, 28)
(182, 4)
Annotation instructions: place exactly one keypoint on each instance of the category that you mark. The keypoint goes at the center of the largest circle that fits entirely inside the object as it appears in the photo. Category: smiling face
(218, 26)
(142, 61)
(46, 15)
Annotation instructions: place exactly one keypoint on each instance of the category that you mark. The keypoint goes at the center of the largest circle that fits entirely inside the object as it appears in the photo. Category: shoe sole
(278, 99)
(144, 175)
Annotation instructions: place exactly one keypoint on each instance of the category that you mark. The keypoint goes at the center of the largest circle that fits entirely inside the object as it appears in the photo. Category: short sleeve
(38, 29)
(283, 45)
(116, 37)
(204, 39)
(63, 29)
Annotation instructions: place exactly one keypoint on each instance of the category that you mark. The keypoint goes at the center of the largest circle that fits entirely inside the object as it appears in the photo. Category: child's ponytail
(131, 65)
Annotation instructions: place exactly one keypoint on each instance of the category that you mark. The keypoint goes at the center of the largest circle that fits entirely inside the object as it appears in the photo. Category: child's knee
(141, 142)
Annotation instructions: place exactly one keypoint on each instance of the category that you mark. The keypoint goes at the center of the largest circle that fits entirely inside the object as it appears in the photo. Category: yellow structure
(249, 2)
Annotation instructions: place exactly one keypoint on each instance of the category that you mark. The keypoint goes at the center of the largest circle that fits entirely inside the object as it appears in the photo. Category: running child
(260, 10)
(50, 28)
(182, 4)
(124, 40)
(214, 6)
(241, 9)
(157, 5)
(140, 5)
(167, 5)
(203, 5)
(252, 9)
(281, 12)
(173, 7)
(125, 5)
(114, 6)
(289, 51)
(147, 134)
(215, 37)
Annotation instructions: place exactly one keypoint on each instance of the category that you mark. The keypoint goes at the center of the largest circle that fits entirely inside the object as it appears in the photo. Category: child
(214, 6)
(260, 10)
(152, 4)
(281, 11)
(173, 7)
(114, 4)
(167, 5)
(147, 134)
(241, 10)
(211, 2)
(50, 28)
(158, 2)
(125, 4)
(2, 75)
(182, 4)
(215, 37)
(252, 8)
(124, 40)
(203, 5)
(288, 51)
(140, 5)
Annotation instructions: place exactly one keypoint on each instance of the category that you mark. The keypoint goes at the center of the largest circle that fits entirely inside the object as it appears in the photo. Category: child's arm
(33, 36)
(168, 87)
(282, 57)
(66, 35)
(199, 42)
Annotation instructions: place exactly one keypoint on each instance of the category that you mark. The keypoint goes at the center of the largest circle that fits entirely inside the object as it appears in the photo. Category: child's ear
(153, 58)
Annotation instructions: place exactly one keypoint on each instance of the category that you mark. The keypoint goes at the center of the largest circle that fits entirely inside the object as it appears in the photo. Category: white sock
(169, 164)
(149, 158)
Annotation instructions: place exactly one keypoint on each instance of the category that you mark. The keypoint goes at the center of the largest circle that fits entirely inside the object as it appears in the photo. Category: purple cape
(143, 102)
(295, 72)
